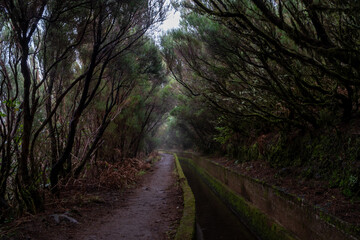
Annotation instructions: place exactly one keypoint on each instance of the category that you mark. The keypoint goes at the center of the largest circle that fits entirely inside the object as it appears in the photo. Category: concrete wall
(301, 221)
(186, 229)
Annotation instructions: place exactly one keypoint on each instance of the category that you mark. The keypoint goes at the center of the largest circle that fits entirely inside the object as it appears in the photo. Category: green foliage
(68, 69)
(144, 107)
(272, 83)
(224, 135)
(268, 67)
(141, 173)
(111, 129)
(329, 156)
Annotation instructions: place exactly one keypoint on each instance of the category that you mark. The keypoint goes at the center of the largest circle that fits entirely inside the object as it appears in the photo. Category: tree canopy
(275, 79)
(68, 69)
(81, 80)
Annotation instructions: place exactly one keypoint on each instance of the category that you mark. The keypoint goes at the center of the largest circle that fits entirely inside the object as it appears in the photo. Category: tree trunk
(26, 186)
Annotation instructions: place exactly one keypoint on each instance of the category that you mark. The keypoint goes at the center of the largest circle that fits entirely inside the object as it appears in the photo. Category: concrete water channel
(214, 220)
(269, 212)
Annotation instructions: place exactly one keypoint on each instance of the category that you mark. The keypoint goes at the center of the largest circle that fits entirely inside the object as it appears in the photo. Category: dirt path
(146, 214)
(152, 210)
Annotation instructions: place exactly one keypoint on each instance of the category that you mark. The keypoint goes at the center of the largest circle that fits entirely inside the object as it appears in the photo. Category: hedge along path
(186, 229)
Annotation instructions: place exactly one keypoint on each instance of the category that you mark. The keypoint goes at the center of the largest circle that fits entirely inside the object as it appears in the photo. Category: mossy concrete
(186, 229)
(269, 211)
(258, 222)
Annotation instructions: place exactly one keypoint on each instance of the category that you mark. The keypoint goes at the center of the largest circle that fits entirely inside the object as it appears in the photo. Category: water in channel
(214, 220)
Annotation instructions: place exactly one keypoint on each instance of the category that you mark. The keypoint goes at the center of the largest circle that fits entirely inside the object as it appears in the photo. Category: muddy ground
(151, 210)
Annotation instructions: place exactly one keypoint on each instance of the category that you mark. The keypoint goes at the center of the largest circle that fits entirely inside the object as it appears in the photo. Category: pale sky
(172, 21)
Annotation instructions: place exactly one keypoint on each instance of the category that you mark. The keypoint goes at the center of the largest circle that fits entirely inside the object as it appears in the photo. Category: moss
(141, 173)
(186, 229)
(254, 217)
(253, 152)
(256, 220)
(348, 228)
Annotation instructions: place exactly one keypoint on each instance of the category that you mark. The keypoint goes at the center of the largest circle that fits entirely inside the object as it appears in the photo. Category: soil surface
(152, 210)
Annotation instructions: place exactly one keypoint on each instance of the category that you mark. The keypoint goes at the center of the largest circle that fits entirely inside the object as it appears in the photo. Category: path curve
(146, 212)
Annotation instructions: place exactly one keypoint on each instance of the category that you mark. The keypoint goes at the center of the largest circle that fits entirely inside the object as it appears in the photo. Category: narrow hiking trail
(149, 211)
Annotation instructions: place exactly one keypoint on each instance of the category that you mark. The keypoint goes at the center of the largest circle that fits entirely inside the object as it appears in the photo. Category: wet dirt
(150, 210)
(145, 214)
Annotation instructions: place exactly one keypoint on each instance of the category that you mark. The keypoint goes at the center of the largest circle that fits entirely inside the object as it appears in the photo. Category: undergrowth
(97, 177)
(330, 155)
